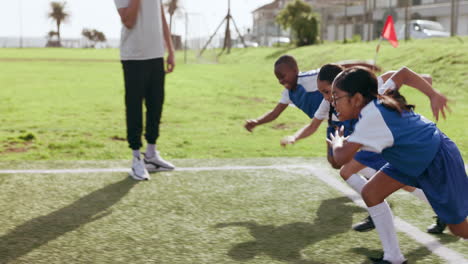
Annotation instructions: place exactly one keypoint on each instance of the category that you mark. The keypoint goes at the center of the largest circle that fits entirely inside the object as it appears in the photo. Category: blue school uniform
(326, 111)
(418, 154)
(306, 95)
(367, 158)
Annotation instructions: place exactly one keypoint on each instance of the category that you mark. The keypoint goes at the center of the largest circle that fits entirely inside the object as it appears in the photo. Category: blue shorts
(444, 182)
(370, 159)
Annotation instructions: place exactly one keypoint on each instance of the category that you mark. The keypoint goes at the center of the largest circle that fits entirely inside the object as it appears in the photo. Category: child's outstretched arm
(302, 133)
(268, 117)
(422, 83)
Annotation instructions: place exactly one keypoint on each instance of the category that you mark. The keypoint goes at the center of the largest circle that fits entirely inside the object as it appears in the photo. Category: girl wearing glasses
(417, 152)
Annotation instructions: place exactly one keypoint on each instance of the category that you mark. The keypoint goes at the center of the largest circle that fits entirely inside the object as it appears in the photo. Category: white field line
(97, 170)
(428, 241)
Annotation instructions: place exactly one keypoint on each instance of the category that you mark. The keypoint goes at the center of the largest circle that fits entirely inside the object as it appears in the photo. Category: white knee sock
(367, 172)
(383, 221)
(420, 194)
(356, 182)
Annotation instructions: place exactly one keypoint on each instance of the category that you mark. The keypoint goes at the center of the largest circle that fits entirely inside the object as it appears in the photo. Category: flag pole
(377, 51)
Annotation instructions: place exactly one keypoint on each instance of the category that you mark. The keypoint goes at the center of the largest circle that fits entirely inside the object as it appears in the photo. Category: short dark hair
(328, 72)
(288, 60)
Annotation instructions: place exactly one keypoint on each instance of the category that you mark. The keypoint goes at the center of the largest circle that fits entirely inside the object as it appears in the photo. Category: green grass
(67, 104)
(248, 216)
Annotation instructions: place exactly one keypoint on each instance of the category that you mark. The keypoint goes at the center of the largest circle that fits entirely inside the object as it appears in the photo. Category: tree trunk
(58, 33)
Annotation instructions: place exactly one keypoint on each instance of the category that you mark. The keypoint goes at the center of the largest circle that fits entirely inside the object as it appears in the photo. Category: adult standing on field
(144, 33)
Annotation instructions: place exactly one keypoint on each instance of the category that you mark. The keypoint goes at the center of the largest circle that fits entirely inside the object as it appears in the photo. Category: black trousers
(144, 81)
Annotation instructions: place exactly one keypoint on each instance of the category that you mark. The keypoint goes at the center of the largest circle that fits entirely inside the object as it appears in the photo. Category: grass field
(63, 109)
(214, 215)
(67, 104)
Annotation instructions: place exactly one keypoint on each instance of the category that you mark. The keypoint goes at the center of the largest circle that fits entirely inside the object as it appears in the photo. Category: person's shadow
(285, 242)
(38, 231)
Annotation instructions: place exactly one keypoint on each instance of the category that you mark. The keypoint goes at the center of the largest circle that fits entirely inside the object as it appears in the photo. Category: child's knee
(460, 230)
(333, 163)
(370, 197)
(345, 173)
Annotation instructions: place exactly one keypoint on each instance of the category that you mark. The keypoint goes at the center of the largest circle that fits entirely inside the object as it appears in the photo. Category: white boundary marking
(428, 241)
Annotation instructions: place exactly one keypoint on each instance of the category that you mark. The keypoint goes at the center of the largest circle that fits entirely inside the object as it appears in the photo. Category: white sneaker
(156, 163)
(139, 172)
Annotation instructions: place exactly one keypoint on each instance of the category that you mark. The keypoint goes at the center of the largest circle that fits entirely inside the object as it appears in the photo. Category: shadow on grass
(276, 54)
(285, 242)
(40, 230)
(412, 256)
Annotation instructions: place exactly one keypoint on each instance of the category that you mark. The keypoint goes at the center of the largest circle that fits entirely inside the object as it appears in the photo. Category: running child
(364, 162)
(300, 89)
(418, 154)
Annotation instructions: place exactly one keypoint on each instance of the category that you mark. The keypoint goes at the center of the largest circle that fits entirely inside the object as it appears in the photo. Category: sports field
(59, 104)
(65, 195)
(293, 210)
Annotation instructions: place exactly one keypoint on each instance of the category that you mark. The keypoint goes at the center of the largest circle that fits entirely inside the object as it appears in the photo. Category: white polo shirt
(146, 39)
(322, 112)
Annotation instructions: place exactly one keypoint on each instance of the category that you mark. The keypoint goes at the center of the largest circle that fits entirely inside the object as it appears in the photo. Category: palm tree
(59, 15)
(172, 6)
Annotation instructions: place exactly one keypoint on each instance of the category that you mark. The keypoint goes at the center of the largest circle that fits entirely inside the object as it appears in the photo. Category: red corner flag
(388, 32)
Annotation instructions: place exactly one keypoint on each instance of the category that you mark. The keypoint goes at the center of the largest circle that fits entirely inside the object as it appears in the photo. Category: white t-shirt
(324, 108)
(146, 39)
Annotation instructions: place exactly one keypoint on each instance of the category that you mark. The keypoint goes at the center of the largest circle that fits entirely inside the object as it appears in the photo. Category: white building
(352, 20)
(342, 19)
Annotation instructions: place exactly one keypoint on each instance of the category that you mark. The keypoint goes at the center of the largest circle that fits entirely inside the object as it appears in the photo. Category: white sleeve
(323, 110)
(121, 3)
(371, 130)
(285, 97)
(388, 85)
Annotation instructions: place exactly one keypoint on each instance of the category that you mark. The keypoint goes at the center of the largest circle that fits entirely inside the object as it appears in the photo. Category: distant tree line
(59, 15)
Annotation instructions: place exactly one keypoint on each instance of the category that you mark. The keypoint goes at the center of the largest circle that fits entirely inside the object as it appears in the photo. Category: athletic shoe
(366, 225)
(156, 163)
(438, 227)
(383, 261)
(139, 172)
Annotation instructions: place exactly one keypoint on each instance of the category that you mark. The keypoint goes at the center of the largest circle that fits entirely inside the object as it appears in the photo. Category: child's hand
(439, 104)
(338, 138)
(250, 124)
(288, 140)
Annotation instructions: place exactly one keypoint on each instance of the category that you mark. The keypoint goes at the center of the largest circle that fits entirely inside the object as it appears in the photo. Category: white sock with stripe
(356, 182)
(420, 194)
(383, 221)
(367, 172)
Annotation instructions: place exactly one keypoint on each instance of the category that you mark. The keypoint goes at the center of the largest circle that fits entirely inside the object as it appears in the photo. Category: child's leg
(460, 230)
(348, 173)
(351, 168)
(367, 172)
(374, 192)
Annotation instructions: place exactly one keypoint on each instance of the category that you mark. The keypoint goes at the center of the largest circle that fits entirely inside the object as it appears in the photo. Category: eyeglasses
(335, 99)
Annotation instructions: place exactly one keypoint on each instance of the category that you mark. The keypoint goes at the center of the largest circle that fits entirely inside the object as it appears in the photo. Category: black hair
(328, 72)
(361, 80)
(288, 60)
